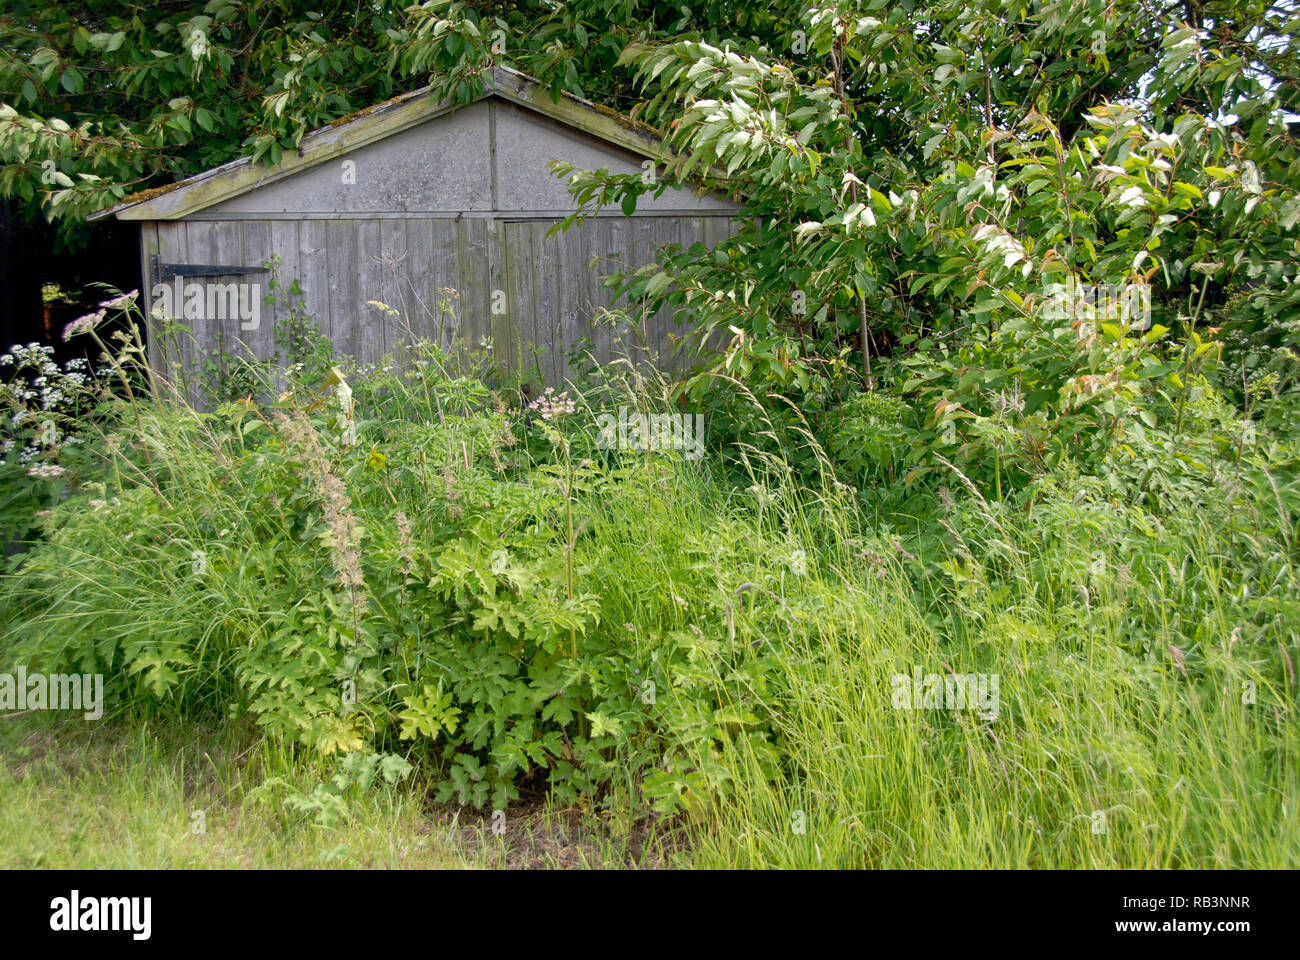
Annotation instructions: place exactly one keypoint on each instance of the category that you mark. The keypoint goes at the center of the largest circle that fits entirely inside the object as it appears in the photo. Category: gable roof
(241, 176)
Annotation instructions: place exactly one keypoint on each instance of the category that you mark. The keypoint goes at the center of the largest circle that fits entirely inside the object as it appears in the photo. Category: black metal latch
(166, 271)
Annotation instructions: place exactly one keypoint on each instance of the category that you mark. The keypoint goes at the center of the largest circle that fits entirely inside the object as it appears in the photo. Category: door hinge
(167, 271)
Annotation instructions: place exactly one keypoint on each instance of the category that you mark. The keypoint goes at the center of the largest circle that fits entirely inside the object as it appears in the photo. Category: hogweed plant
(53, 418)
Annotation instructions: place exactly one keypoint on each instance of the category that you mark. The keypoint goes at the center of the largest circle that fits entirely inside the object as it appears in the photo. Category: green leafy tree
(920, 176)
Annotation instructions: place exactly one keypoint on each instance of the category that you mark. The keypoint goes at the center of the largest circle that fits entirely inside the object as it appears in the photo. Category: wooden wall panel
(553, 286)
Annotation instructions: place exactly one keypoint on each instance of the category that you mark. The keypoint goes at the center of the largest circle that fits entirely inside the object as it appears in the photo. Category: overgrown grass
(652, 643)
(176, 795)
(1118, 743)
(171, 795)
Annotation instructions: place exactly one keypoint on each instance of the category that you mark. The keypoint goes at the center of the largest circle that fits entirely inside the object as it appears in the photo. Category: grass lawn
(105, 796)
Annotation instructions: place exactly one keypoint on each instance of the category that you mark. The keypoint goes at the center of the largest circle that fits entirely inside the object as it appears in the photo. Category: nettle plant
(223, 375)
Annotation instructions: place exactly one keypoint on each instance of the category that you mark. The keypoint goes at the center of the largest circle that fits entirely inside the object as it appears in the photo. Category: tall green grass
(1122, 738)
(1145, 660)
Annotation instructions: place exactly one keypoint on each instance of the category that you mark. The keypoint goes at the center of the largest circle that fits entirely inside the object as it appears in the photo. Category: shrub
(387, 568)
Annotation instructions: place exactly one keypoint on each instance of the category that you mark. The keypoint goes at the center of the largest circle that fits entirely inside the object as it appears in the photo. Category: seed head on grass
(345, 532)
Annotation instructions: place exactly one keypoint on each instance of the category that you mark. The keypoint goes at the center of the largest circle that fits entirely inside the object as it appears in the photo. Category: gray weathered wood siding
(463, 202)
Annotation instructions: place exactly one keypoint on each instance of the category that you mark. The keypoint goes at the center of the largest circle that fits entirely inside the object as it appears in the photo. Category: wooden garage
(404, 202)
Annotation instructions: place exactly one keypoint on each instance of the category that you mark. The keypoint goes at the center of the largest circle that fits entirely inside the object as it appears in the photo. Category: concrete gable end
(445, 167)
(441, 166)
(410, 156)
(527, 142)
